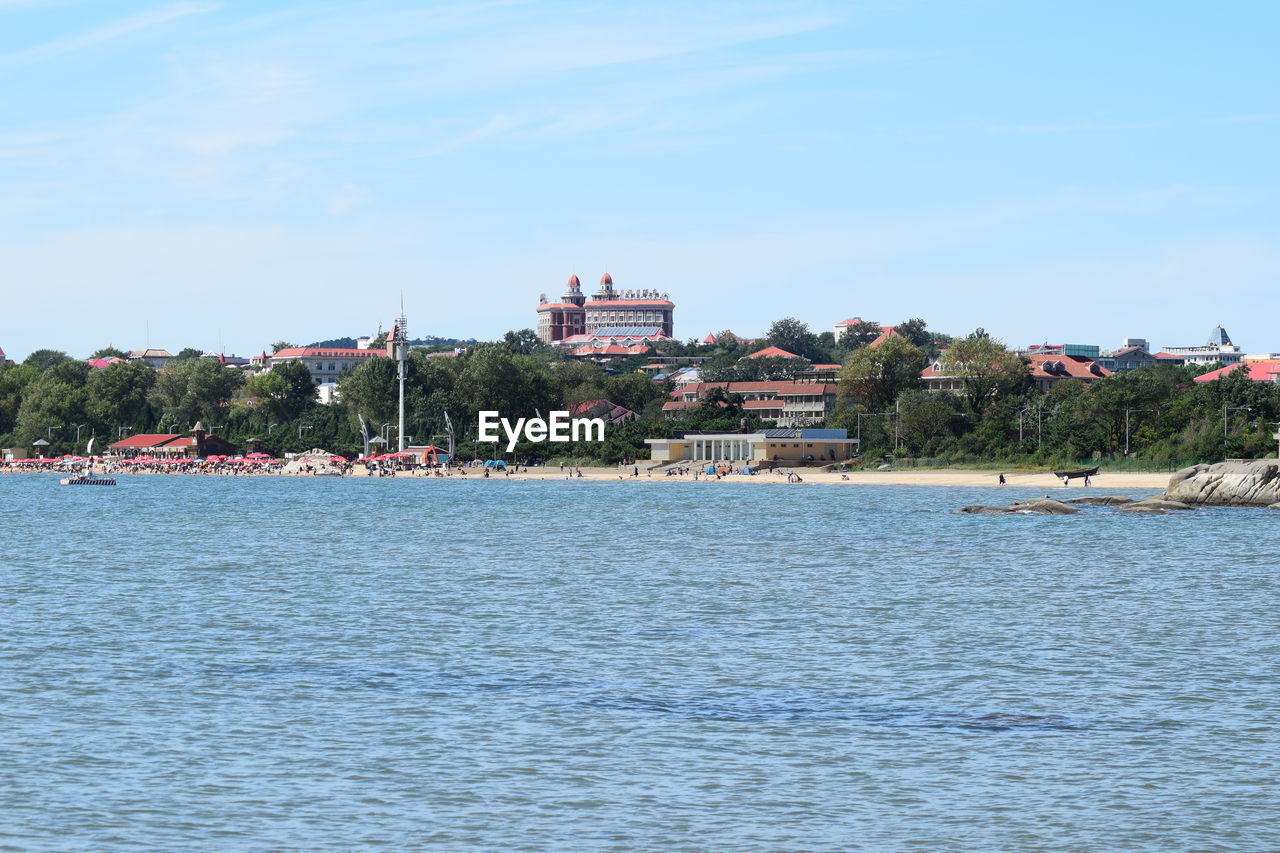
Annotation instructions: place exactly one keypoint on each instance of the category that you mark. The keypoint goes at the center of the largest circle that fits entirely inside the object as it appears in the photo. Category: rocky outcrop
(1100, 500)
(1254, 483)
(1035, 506)
(1154, 504)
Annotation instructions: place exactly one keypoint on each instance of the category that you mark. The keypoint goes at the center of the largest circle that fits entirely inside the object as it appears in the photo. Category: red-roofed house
(325, 364)
(171, 445)
(1258, 371)
(101, 363)
(772, 352)
(1046, 370)
(610, 413)
(790, 404)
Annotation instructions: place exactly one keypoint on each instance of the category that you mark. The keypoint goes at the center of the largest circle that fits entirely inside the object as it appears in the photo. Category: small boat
(327, 474)
(88, 478)
(1078, 473)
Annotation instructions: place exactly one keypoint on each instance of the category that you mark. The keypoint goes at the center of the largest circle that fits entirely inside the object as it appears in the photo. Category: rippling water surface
(329, 665)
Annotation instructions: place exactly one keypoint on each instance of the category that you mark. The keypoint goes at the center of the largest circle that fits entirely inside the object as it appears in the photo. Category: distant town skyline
(222, 176)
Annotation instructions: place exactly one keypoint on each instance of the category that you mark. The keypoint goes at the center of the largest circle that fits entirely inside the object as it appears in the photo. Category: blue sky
(191, 172)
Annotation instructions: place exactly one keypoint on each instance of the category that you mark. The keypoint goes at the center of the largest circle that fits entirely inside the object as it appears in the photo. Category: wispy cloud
(109, 32)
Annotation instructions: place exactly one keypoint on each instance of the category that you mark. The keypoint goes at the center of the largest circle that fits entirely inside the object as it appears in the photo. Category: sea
(192, 663)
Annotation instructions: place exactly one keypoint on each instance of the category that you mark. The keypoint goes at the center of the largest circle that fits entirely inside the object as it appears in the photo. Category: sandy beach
(932, 477)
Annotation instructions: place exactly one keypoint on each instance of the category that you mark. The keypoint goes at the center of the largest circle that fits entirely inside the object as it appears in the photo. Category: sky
(223, 174)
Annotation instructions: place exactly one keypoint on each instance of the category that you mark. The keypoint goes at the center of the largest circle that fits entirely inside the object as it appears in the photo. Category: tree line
(998, 412)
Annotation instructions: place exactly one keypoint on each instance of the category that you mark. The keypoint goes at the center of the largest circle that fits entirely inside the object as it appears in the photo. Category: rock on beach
(1255, 483)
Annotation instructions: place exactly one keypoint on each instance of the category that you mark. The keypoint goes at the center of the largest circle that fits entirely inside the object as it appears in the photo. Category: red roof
(1259, 371)
(886, 332)
(325, 352)
(779, 388)
(547, 306)
(628, 303)
(146, 440)
(612, 349)
(1060, 366)
(772, 352)
(1050, 367)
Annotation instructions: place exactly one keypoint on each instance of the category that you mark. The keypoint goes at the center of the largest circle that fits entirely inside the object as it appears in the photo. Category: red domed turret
(574, 283)
(606, 279)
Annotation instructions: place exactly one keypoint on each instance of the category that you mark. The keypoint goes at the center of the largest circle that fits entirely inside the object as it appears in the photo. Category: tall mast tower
(400, 352)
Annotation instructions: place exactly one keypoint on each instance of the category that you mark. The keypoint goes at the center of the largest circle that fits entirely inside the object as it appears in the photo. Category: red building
(608, 313)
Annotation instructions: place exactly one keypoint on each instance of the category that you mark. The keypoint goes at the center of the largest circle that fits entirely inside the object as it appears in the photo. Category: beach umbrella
(337, 459)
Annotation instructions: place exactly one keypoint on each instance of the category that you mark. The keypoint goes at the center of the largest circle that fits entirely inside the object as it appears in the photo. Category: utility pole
(1228, 410)
(400, 352)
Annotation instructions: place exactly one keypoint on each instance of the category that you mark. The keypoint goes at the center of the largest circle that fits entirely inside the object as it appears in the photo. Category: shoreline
(1041, 480)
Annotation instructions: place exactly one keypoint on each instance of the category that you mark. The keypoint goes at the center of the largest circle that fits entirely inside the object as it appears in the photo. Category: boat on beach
(1078, 473)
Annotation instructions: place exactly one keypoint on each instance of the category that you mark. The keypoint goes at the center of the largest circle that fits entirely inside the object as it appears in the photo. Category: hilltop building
(325, 364)
(1045, 370)
(786, 403)
(577, 321)
(1218, 350)
(157, 358)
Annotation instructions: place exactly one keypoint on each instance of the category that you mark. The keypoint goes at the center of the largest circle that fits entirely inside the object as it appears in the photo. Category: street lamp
(270, 427)
(78, 428)
(302, 427)
(1126, 426)
(1228, 410)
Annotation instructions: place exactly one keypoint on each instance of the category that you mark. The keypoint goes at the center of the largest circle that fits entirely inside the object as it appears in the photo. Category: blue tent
(495, 463)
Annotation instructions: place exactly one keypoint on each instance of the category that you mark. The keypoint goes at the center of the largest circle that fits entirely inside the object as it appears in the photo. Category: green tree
(285, 392)
(371, 390)
(195, 389)
(795, 337)
(43, 359)
(985, 367)
(279, 345)
(109, 352)
(859, 335)
(916, 331)
(875, 376)
(14, 380)
(50, 403)
(762, 369)
(525, 342)
(186, 354)
(117, 395)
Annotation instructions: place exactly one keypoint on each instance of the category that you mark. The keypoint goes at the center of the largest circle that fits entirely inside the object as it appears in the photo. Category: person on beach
(1088, 481)
(1002, 480)
(1066, 481)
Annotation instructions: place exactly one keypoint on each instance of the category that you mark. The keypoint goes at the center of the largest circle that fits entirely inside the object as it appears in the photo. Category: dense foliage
(1159, 413)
